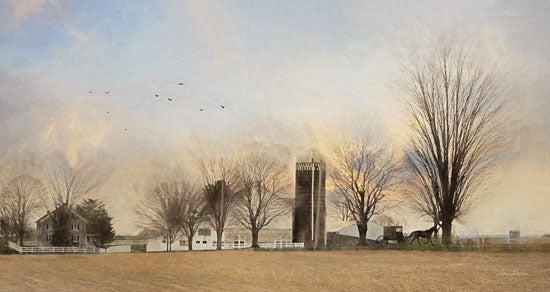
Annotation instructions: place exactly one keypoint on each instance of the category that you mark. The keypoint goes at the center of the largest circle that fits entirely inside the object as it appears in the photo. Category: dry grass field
(247, 270)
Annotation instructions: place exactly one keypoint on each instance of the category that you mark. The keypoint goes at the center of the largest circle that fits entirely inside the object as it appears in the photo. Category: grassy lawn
(247, 270)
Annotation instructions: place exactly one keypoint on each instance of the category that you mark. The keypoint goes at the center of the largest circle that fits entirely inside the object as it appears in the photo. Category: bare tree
(219, 176)
(422, 200)
(160, 211)
(7, 226)
(455, 106)
(363, 175)
(339, 208)
(68, 184)
(263, 181)
(191, 210)
(21, 198)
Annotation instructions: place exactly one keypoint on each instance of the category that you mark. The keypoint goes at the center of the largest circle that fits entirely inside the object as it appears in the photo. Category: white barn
(236, 237)
(204, 239)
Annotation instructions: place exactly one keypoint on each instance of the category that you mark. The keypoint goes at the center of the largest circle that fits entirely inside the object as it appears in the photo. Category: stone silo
(308, 224)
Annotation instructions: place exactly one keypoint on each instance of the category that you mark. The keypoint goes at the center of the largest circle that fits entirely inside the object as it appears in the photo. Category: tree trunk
(255, 238)
(362, 234)
(21, 234)
(446, 236)
(190, 242)
(219, 234)
(436, 224)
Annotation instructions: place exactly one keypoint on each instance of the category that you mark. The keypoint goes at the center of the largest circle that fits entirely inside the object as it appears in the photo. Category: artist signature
(514, 273)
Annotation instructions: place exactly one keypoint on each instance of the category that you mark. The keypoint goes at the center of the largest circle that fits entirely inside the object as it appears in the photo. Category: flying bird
(108, 112)
(125, 129)
(106, 92)
(181, 83)
(170, 99)
(222, 106)
(156, 95)
(201, 109)
(89, 92)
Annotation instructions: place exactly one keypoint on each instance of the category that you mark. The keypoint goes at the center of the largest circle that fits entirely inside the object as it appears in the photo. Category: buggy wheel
(381, 242)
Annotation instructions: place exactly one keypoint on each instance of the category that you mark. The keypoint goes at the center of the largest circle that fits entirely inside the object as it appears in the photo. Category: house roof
(48, 214)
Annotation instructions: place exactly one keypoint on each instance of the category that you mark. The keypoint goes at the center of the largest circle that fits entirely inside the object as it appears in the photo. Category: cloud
(27, 8)
(47, 11)
(22, 10)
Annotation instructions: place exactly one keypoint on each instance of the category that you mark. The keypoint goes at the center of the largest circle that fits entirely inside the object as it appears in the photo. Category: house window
(75, 238)
(204, 241)
(182, 242)
(76, 226)
(164, 241)
(204, 231)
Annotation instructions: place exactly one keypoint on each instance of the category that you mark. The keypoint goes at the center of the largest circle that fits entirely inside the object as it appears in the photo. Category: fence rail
(58, 249)
(276, 244)
(51, 249)
(282, 245)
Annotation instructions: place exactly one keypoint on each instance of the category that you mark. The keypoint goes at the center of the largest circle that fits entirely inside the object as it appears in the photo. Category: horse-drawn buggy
(392, 234)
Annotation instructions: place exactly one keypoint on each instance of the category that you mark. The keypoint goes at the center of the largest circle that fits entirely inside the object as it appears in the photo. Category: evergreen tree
(61, 217)
(99, 221)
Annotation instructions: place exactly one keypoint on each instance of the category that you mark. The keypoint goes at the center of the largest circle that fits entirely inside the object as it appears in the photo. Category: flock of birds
(157, 96)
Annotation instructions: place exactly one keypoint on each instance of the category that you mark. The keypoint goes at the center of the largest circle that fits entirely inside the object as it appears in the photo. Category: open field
(273, 270)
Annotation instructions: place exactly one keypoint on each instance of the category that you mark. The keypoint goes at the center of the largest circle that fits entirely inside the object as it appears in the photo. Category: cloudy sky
(292, 75)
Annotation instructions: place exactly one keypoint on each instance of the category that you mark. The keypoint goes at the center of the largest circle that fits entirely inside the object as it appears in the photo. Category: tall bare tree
(455, 106)
(21, 198)
(219, 176)
(160, 211)
(68, 184)
(263, 182)
(363, 175)
(191, 210)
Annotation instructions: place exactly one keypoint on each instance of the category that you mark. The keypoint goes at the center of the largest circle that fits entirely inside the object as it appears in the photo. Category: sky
(292, 75)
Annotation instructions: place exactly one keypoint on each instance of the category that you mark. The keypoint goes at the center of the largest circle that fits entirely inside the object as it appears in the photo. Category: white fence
(51, 249)
(278, 244)
(232, 245)
(275, 244)
(56, 249)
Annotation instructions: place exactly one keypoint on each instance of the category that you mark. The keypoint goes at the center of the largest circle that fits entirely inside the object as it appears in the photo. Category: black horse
(424, 234)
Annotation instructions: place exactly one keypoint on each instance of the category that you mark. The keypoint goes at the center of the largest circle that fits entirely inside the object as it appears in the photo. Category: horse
(424, 234)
